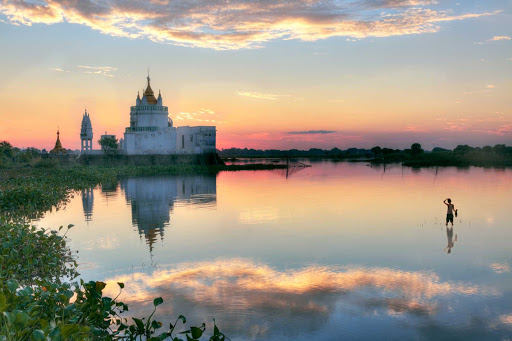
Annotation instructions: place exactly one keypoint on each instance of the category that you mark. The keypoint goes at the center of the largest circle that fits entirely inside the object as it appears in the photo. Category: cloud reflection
(241, 293)
(500, 268)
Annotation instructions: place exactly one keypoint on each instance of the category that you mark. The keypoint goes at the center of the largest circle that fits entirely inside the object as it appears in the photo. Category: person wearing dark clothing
(451, 210)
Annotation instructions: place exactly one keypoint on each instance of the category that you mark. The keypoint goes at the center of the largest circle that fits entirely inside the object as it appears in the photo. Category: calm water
(338, 250)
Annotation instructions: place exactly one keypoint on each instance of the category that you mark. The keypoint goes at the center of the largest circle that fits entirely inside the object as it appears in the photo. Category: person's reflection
(451, 240)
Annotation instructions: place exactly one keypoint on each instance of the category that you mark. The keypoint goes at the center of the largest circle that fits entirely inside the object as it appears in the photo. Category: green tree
(6, 149)
(463, 149)
(109, 145)
(487, 149)
(499, 149)
(416, 149)
(376, 150)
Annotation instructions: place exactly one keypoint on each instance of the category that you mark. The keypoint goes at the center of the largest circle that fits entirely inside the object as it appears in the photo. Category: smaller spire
(138, 95)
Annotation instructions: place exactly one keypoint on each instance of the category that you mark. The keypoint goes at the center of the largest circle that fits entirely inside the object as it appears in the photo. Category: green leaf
(121, 285)
(100, 286)
(38, 335)
(196, 332)
(182, 318)
(12, 285)
(156, 324)
(139, 324)
(10, 317)
(44, 323)
(68, 329)
(70, 226)
(22, 319)
(157, 301)
(190, 339)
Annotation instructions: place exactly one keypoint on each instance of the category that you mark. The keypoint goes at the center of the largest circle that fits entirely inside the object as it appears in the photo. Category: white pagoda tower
(86, 133)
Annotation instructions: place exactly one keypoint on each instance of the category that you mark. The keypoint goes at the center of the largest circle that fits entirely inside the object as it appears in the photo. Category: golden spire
(149, 94)
(58, 146)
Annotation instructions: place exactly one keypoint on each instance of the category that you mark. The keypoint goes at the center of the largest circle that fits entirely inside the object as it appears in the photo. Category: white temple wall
(162, 141)
(152, 119)
(195, 140)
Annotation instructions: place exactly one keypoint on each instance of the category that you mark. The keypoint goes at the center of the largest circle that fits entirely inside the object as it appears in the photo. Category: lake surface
(332, 251)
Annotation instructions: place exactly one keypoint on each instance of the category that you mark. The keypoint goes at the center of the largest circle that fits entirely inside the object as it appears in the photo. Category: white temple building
(151, 131)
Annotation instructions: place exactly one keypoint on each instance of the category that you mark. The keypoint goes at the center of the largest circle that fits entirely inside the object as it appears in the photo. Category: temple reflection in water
(153, 198)
(88, 203)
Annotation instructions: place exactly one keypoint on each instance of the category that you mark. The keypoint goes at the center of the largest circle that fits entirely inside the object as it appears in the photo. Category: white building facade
(151, 131)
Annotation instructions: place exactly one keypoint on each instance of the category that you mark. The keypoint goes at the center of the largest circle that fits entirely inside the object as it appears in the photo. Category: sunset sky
(269, 74)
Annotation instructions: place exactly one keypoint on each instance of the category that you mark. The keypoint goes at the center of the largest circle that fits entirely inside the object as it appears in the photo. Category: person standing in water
(449, 213)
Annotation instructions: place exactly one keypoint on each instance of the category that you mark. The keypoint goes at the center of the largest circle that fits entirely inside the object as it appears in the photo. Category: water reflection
(451, 239)
(251, 299)
(153, 198)
(402, 286)
(88, 203)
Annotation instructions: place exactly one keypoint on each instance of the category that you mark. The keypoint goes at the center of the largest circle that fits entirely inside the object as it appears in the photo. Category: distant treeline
(313, 152)
(463, 155)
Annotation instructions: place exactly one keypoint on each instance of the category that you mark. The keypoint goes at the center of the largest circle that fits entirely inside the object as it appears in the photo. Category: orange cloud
(496, 38)
(258, 95)
(237, 24)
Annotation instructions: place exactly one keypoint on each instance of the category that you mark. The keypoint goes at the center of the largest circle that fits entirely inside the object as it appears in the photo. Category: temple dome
(149, 94)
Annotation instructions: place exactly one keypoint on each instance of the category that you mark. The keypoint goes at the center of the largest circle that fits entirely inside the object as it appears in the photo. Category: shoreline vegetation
(462, 156)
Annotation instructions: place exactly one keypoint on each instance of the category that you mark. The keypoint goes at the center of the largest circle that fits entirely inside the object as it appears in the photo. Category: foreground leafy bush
(38, 301)
(29, 254)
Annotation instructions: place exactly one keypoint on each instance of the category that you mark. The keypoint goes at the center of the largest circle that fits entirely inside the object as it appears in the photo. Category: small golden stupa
(150, 95)
(58, 150)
